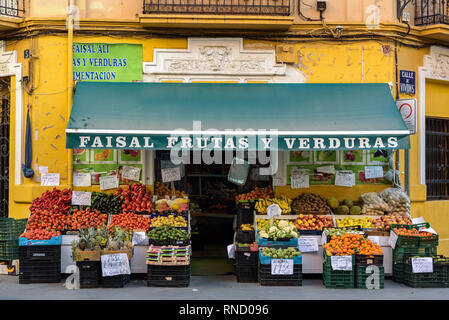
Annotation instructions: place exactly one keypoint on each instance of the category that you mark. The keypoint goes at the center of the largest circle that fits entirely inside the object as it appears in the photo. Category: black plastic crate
(364, 260)
(40, 253)
(118, 281)
(245, 236)
(88, 266)
(40, 267)
(168, 276)
(90, 273)
(247, 258)
(267, 279)
(245, 216)
(89, 283)
(361, 276)
(39, 276)
(246, 273)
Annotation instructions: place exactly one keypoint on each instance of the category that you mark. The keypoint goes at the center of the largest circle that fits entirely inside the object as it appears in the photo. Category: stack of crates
(362, 263)
(337, 279)
(409, 246)
(267, 278)
(10, 230)
(90, 273)
(438, 278)
(40, 264)
(246, 264)
(118, 281)
(168, 266)
(245, 214)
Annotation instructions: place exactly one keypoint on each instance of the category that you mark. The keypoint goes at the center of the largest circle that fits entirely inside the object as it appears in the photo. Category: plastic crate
(245, 236)
(412, 241)
(168, 276)
(28, 278)
(247, 258)
(310, 232)
(361, 276)
(246, 273)
(276, 244)
(439, 278)
(90, 274)
(267, 279)
(168, 242)
(428, 241)
(364, 260)
(400, 253)
(398, 272)
(40, 253)
(11, 229)
(39, 267)
(118, 281)
(245, 216)
(267, 260)
(9, 249)
(54, 241)
(89, 283)
(337, 279)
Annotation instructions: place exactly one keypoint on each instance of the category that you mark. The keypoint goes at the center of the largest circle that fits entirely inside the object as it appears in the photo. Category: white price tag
(299, 181)
(307, 244)
(50, 179)
(170, 174)
(82, 179)
(392, 240)
(131, 173)
(282, 266)
(139, 237)
(80, 198)
(418, 220)
(375, 239)
(231, 251)
(43, 170)
(274, 211)
(108, 182)
(343, 263)
(374, 172)
(345, 179)
(323, 238)
(326, 169)
(115, 264)
(422, 265)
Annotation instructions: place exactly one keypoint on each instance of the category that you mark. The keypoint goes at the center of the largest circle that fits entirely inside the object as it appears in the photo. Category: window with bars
(437, 158)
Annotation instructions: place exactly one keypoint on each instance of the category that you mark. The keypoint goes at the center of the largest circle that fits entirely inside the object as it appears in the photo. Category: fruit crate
(400, 253)
(53, 241)
(361, 276)
(118, 281)
(439, 278)
(11, 229)
(40, 253)
(90, 274)
(28, 278)
(412, 241)
(398, 272)
(245, 236)
(267, 279)
(9, 249)
(277, 244)
(246, 247)
(245, 216)
(247, 258)
(337, 279)
(310, 232)
(168, 255)
(168, 276)
(39, 272)
(267, 260)
(365, 260)
(246, 205)
(168, 242)
(246, 273)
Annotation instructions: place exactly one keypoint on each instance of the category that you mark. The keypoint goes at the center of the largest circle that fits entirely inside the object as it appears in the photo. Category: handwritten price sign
(282, 266)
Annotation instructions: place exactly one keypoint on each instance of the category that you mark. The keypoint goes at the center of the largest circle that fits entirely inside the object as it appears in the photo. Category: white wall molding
(10, 67)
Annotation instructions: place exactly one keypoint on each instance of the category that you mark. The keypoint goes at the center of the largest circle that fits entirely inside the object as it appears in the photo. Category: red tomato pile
(57, 200)
(136, 198)
(81, 219)
(43, 219)
(37, 234)
(129, 220)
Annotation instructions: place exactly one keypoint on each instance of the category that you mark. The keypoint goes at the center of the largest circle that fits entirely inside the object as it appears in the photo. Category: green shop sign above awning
(165, 116)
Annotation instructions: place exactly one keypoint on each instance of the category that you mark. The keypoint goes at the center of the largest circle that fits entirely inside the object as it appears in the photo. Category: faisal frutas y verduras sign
(76, 139)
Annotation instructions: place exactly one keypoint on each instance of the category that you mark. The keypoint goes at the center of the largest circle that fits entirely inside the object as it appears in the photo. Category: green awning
(163, 116)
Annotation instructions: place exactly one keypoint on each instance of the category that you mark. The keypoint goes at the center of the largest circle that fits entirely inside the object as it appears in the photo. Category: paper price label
(274, 211)
(323, 238)
(418, 220)
(282, 266)
(345, 179)
(131, 173)
(374, 172)
(299, 181)
(50, 179)
(80, 198)
(422, 265)
(108, 182)
(343, 263)
(326, 169)
(308, 244)
(82, 179)
(115, 264)
(231, 251)
(392, 240)
(171, 174)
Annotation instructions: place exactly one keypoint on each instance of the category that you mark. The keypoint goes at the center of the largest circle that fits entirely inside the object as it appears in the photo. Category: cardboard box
(88, 255)
(128, 252)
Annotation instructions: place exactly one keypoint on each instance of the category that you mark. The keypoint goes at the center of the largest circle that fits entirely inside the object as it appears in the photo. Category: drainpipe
(70, 84)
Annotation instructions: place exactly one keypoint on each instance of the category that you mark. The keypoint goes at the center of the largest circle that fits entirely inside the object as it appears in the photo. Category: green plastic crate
(361, 276)
(398, 272)
(412, 241)
(439, 278)
(9, 249)
(336, 279)
(400, 253)
(11, 229)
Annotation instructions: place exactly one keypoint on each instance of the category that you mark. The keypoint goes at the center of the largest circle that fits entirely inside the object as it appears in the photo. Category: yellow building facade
(354, 42)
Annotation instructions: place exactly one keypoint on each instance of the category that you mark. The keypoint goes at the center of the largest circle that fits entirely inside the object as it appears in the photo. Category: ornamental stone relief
(437, 64)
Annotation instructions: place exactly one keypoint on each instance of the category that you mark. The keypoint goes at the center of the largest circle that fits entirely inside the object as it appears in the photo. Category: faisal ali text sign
(272, 142)
(107, 62)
